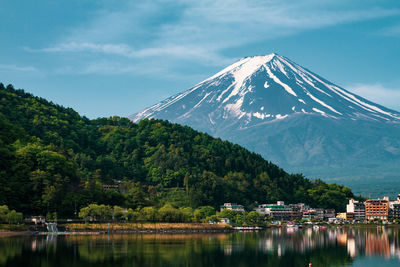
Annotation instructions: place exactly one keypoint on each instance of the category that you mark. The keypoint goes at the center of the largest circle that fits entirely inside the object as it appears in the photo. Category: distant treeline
(54, 160)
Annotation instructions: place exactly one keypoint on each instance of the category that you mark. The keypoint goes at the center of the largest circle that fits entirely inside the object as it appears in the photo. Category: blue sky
(106, 58)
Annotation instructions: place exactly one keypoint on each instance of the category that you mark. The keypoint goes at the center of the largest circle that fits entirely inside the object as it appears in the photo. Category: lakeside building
(280, 211)
(355, 210)
(373, 209)
(225, 221)
(310, 214)
(232, 206)
(395, 211)
(329, 213)
(394, 208)
(377, 208)
(319, 214)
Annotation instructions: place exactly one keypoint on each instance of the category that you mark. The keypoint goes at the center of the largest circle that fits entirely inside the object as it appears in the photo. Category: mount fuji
(294, 118)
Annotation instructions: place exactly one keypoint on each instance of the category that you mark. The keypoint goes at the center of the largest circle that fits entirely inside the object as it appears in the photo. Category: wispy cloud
(116, 68)
(200, 31)
(389, 97)
(18, 68)
(124, 50)
(391, 31)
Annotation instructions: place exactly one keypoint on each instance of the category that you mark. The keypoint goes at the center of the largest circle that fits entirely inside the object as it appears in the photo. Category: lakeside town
(231, 216)
(369, 211)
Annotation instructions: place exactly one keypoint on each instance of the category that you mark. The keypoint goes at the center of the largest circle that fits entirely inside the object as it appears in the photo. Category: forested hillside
(54, 160)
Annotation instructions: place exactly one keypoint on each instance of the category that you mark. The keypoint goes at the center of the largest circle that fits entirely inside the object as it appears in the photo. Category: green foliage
(213, 218)
(10, 216)
(233, 216)
(3, 213)
(97, 212)
(62, 160)
(148, 214)
(203, 212)
(168, 213)
(328, 195)
(254, 218)
(14, 217)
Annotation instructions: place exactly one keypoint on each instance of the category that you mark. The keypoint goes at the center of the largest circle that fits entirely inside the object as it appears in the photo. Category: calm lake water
(274, 247)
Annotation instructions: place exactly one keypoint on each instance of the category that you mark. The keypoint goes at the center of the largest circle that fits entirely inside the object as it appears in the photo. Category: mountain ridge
(62, 160)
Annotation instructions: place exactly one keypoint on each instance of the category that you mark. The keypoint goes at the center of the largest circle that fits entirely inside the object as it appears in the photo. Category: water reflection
(274, 247)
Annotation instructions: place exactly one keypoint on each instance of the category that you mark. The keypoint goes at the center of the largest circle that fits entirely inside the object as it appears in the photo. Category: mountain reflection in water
(274, 247)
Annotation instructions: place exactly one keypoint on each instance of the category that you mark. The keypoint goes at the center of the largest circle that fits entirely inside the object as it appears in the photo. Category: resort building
(232, 206)
(356, 210)
(280, 211)
(329, 213)
(277, 211)
(319, 214)
(394, 208)
(377, 208)
(350, 216)
(395, 211)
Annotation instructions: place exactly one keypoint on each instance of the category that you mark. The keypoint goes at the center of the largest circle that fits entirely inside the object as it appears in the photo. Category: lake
(272, 247)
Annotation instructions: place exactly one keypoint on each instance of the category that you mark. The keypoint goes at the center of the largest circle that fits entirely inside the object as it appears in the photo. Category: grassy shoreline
(147, 227)
(14, 233)
(171, 228)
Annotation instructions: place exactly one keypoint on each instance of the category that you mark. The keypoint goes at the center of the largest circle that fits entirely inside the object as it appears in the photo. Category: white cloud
(18, 68)
(391, 31)
(124, 50)
(388, 97)
(200, 31)
(115, 68)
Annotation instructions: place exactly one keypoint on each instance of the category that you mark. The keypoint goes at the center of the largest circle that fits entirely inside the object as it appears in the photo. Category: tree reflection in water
(274, 247)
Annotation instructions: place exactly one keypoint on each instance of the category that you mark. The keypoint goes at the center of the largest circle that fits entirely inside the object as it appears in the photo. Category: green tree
(14, 217)
(3, 213)
(201, 213)
(254, 218)
(149, 214)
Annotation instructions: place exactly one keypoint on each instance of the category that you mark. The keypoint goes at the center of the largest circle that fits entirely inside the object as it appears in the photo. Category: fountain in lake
(52, 227)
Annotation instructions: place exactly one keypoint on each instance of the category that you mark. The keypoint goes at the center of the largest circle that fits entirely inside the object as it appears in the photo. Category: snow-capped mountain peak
(263, 89)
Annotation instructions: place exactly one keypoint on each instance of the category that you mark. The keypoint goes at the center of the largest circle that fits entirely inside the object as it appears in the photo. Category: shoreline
(14, 233)
(137, 231)
(197, 229)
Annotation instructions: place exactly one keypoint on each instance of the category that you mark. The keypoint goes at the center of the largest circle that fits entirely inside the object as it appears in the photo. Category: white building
(232, 206)
(357, 208)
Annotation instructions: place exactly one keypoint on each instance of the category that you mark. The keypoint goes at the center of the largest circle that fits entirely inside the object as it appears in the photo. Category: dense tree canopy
(53, 159)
